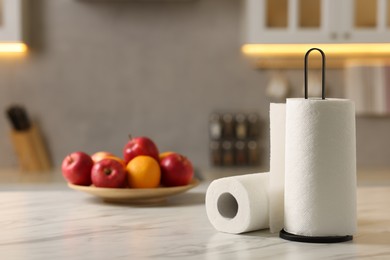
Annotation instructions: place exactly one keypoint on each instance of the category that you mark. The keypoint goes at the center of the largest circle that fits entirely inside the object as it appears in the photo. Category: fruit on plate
(108, 173)
(76, 168)
(143, 172)
(176, 170)
(140, 146)
(98, 156)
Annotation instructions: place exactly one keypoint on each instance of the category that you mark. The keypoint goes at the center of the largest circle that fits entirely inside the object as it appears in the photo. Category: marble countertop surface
(47, 220)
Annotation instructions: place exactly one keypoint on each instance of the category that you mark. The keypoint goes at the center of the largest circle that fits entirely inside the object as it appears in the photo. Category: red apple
(76, 168)
(108, 173)
(140, 146)
(176, 170)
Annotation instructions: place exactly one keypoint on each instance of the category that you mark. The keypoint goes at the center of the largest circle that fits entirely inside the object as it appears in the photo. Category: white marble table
(53, 222)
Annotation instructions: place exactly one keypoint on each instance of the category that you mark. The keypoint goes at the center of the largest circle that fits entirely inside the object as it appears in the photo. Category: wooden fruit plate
(134, 196)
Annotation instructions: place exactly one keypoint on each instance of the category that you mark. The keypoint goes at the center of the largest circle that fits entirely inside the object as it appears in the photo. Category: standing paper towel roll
(320, 174)
(276, 178)
(238, 204)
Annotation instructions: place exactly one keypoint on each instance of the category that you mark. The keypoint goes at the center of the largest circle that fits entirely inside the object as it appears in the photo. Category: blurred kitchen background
(96, 71)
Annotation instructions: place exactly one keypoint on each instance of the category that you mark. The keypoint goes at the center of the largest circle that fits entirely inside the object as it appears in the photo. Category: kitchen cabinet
(279, 32)
(317, 21)
(365, 21)
(11, 26)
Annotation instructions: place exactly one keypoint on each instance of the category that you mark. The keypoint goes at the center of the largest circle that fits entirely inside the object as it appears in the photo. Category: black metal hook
(323, 70)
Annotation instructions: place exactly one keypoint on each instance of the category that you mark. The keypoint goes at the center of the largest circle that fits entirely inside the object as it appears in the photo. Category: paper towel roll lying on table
(276, 177)
(238, 204)
(320, 175)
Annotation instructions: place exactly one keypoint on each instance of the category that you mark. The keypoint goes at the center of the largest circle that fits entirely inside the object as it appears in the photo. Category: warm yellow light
(12, 47)
(339, 50)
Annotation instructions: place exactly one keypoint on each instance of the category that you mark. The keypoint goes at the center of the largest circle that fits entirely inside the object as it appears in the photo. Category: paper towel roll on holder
(323, 71)
(314, 239)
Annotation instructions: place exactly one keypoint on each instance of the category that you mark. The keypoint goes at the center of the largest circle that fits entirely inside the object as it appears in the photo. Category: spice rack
(234, 139)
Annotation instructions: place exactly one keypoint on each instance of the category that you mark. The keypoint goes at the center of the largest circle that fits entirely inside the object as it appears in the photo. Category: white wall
(99, 70)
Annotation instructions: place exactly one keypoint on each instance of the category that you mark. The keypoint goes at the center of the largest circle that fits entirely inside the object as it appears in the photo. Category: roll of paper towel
(277, 157)
(238, 204)
(320, 173)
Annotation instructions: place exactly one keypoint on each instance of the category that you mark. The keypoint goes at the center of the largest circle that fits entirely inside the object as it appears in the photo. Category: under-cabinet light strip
(12, 47)
(355, 49)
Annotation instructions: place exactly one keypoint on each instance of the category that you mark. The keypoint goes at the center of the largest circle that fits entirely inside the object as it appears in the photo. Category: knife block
(30, 149)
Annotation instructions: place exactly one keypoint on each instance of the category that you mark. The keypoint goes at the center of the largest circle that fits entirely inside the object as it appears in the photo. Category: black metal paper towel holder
(323, 71)
(314, 239)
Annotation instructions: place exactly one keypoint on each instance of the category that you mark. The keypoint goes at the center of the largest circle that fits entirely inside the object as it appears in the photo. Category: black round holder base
(297, 238)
